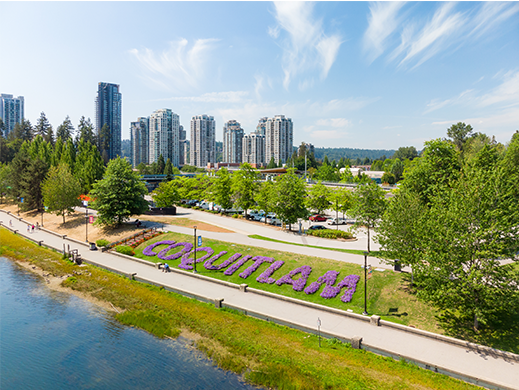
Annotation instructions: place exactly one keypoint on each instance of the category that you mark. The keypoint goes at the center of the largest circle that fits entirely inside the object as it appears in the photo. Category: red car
(318, 218)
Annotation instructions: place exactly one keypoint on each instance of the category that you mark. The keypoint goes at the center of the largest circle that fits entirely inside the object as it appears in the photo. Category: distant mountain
(338, 153)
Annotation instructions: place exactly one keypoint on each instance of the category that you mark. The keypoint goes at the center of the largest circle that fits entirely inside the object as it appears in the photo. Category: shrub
(235, 215)
(125, 250)
(102, 242)
(330, 234)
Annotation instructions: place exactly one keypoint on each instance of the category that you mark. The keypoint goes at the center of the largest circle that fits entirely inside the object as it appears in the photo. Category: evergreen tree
(86, 131)
(168, 170)
(58, 150)
(119, 195)
(68, 156)
(65, 130)
(49, 137)
(160, 165)
(22, 131)
(272, 163)
(42, 126)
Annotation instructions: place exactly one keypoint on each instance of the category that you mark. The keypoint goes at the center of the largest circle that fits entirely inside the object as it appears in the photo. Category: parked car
(317, 227)
(336, 221)
(318, 218)
(275, 221)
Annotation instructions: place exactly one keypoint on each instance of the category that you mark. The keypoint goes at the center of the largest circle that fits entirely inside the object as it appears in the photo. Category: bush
(328, 233)
(102, 242)
(125, 250)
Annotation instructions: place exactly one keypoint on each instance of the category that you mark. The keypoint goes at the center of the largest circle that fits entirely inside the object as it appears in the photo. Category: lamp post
(194, 249)
(365, 282)
(85, 203)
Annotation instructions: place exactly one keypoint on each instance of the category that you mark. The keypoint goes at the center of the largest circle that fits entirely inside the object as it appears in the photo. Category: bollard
(131, 275)
(218, 303)
(158, 265)
(397, 267)
(375, 320)
(243, 287)
(356, 342)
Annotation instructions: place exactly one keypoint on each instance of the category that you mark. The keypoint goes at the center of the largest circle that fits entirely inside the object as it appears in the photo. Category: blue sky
(349, 74)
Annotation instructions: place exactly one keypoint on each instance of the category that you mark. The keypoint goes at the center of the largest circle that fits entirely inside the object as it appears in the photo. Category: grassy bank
(267, 354)
(388, 292)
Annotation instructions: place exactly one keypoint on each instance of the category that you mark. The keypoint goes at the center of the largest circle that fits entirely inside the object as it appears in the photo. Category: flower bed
(297, 278)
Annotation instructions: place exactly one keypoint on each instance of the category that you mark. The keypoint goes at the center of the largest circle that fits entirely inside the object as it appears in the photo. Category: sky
(348, 74)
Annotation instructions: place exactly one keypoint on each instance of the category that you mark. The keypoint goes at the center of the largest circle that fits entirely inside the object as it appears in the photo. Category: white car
(336, 221)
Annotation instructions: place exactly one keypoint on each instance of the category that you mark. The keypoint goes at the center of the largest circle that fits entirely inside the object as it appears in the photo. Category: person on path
(32, 228)
(28, 228)
(37, 226)
(166, 267)
(11, 223)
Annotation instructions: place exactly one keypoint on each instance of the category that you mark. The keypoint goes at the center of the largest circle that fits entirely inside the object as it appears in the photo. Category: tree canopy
(61, 191)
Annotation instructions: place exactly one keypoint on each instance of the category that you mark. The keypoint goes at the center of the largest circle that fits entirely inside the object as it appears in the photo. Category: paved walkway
(487, 366)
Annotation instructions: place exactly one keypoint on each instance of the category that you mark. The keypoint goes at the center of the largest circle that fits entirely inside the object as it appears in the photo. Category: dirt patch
(184, 222)
(54, 283)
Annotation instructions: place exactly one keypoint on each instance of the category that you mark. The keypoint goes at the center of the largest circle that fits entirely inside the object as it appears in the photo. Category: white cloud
(307, 47)
(382, 23)
(179, 67)
(422, 39)
(333, 122)
(506, 94)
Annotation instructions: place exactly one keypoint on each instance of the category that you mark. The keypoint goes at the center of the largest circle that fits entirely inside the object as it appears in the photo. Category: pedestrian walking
(11, 223)
(32, 228)
(37, 226)
(28, 228)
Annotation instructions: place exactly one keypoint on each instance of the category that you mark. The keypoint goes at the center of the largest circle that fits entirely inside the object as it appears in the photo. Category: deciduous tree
(61, 191)
(368, 207)
(245, 186)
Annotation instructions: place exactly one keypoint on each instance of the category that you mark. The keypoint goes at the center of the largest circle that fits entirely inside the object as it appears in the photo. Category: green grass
(352, 251)
(265, 353)
(388, 294)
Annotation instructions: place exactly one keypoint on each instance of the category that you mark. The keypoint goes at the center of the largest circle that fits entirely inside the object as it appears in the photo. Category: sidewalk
(492, 368)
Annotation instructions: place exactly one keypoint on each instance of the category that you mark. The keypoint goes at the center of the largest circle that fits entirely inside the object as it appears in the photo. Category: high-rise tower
(108, 112)
(232, 142)
(278, 139)
(11, 111)
(164, 136)
(140, 141)
(203, 143)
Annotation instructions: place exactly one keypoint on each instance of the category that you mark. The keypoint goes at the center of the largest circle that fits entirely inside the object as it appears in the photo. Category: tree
(388, 178)
(168, 170)
(272, 163)
(42, 126)
(341, 199)
(65, 130)
(166, 194)
(68, 155)
(244, 186)
(119, 195)
(4, 180)
(265, 197)
(61, 191)
(22, 131)
(86, 131)
(318, 198)
(221, 190)
(290, 192)
(143, 169)
(89, 166)
(369, 206)
(160, 165)
(405, 152)
(397, 169)
(459, 133)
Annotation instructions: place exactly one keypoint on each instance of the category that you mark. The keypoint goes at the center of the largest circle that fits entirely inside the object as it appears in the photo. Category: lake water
(52, 340)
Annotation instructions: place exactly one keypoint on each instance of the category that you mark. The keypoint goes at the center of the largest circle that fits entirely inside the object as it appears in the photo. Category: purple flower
(258, 260)
(209, 263)
(299, 284)
(163, 253)
(186, 259)
(148, 251)
(229, 271)
(329, 291)
(265, 276)
(350, 282)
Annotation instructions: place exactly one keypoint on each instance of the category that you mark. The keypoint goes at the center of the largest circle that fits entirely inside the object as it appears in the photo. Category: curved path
(482, 365)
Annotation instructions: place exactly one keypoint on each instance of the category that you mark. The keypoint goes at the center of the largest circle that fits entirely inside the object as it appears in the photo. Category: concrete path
(491, 367)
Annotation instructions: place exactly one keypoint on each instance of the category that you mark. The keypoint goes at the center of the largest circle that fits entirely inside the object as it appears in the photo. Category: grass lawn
(352, 251)
(265, 353)
(388, 293)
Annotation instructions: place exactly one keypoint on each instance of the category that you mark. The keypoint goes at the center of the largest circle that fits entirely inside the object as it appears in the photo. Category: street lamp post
(85, 203)
(365, 283)
(194, 249)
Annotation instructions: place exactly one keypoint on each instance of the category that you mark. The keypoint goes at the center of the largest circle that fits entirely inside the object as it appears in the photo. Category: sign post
(85, 203)
(319, 330)
(194, 250)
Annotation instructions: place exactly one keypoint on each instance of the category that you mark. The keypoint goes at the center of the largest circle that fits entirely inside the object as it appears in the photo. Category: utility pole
(194, 250)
